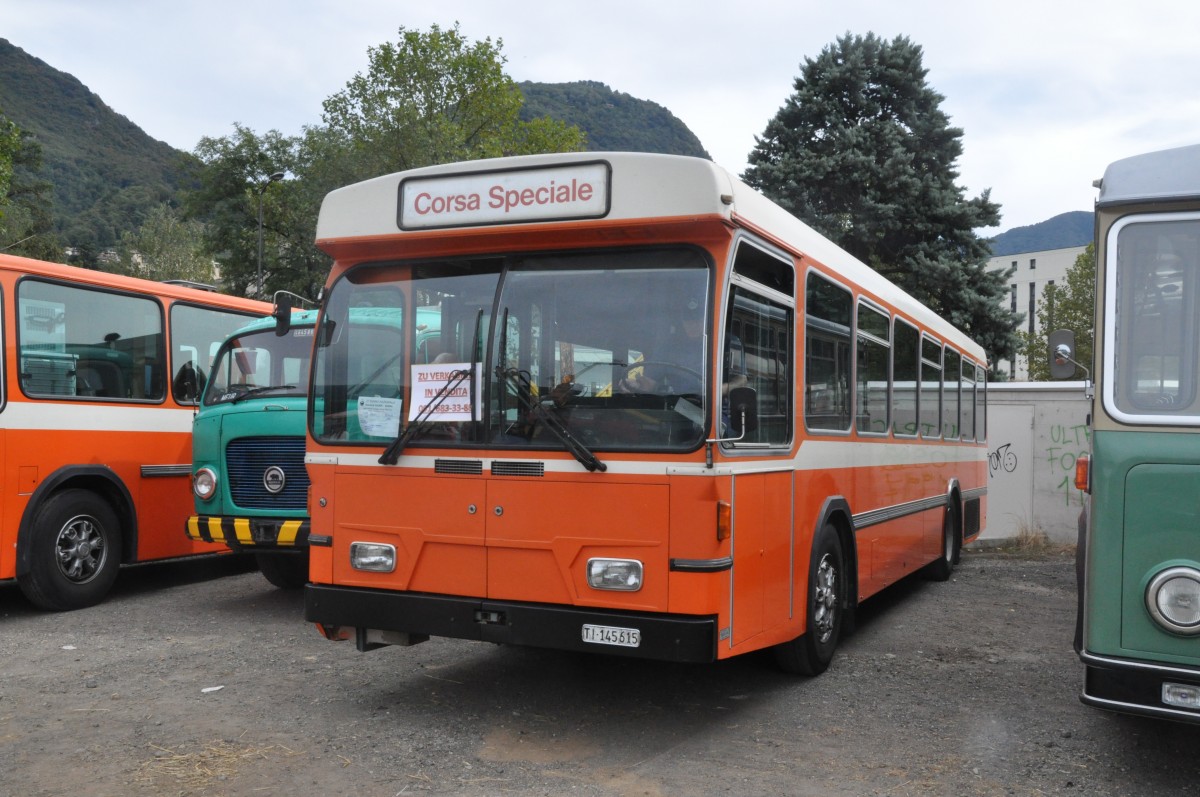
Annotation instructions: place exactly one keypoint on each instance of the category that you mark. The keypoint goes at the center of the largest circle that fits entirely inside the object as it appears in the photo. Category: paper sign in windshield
(442, 391)
(379, 417)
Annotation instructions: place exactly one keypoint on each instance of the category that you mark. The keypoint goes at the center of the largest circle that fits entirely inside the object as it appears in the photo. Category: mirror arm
(1063, 353)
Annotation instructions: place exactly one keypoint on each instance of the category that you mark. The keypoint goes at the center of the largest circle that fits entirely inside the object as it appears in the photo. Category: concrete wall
(1035, 432)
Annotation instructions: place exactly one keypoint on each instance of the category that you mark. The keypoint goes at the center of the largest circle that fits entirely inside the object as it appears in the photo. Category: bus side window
(753, 360)
(828, 310)
(79, 341)
(906, 350)
(874, 344)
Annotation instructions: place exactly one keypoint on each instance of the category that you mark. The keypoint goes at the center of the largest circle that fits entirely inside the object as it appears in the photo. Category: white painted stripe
(813, 455)
(94, 417)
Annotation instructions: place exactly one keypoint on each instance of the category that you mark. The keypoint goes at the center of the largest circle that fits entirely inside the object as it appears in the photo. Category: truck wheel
(284, 570)
(75, 552)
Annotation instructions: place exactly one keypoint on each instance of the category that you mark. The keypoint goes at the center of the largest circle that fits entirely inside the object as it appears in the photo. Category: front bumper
(1135, 687)
(683, 638)
(249, 533)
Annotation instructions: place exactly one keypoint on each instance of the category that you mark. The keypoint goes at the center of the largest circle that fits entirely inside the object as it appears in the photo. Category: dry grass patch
(215, 761)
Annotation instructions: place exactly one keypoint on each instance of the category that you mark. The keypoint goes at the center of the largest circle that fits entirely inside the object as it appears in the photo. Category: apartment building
(1031, 273)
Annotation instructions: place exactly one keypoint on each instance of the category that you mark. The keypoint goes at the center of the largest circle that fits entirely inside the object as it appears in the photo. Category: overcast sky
(1046, 95)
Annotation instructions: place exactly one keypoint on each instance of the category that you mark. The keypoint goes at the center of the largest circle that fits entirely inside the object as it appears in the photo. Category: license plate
(610, 635)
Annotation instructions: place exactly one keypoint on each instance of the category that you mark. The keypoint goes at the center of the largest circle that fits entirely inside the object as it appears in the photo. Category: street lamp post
(271, 178)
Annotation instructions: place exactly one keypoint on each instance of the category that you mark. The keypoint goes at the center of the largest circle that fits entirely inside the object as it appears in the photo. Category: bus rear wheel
(941, 568)
(284, 570)
(811, 652)
(74, 552)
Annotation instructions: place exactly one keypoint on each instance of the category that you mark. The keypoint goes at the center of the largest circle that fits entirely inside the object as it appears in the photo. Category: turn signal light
(724, 520)
(1083, 473)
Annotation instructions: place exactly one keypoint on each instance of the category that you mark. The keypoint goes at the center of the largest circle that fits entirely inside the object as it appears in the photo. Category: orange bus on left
(99, 380)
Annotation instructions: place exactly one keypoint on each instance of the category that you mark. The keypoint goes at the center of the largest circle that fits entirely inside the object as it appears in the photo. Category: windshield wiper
(254, 391)
(552, 422)
(392, 454)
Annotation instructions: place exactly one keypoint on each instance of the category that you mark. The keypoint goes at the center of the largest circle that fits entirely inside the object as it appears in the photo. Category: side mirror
(1062, 354)
(282, 313)
(743, 410)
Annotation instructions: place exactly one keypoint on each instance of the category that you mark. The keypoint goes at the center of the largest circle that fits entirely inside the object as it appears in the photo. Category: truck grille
(247, 460)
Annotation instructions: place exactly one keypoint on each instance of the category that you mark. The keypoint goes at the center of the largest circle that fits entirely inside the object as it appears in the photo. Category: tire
(941, 568)
(74, 552)
(811, 652)
(284, 570)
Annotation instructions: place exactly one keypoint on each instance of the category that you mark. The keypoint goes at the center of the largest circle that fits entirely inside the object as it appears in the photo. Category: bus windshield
(261, 363)
(600, 349)
(1154, 276)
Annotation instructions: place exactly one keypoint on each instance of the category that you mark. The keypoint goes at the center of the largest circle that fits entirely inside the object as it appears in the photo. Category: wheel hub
(80, 550)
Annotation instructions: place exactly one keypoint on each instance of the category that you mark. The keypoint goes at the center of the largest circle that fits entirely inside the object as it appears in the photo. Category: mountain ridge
(107, 173)
(1073, 228)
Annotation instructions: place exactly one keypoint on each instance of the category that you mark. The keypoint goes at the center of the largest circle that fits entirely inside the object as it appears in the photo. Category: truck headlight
(623, 575)
(204, 483)
(1173, 600)
(376, 557)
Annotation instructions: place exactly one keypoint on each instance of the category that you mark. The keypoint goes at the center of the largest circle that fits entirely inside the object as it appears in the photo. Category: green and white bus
(1139, 554)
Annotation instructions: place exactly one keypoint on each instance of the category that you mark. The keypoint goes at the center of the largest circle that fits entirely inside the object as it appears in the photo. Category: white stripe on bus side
(94, 417)
(812, 455)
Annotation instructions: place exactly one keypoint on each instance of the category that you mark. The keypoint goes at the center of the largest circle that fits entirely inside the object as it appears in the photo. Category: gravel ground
(200, 679)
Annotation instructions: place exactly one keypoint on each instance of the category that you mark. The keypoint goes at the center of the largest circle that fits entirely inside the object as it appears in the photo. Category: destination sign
(577, 191)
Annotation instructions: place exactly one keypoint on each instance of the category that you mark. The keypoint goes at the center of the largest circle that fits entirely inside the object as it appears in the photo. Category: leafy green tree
(1069, 305)
(433, 98)
(233, 180)
(26, 222)
(863, 152)
(166, 247)
(10, 142)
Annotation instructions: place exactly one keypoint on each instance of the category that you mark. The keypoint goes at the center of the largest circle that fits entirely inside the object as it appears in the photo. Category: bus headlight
(204, 483)
(1173, 599)
(377, 557)
(624, 575)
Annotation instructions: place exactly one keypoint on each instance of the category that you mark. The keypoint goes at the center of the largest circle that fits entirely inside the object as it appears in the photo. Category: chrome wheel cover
(80, 550)
(825, 599)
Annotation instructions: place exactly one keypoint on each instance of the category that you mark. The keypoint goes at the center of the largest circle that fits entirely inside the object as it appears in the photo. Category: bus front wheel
(75, 552)
(811, 652)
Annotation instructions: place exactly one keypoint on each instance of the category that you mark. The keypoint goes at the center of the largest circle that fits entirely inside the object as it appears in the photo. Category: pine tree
(863, 153)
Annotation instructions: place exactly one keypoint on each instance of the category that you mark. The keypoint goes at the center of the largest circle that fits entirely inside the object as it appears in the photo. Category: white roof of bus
(1163, 175)
(643, 185)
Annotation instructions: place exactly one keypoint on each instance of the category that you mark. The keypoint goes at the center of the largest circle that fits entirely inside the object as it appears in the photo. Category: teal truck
(249, 483)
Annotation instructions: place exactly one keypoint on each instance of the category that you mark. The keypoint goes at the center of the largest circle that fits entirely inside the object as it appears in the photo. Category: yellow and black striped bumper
(238, 532)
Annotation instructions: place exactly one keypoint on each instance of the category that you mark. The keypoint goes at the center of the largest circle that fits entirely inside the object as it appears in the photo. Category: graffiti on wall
(1067, 444)
(1036, 435)
(1003, 458)
(1060, 446)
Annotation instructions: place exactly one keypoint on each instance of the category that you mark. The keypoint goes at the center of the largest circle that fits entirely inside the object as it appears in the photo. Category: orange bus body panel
(142, 446)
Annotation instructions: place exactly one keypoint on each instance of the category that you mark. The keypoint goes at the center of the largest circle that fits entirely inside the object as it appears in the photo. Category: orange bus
(100, 380)
(666, 418)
